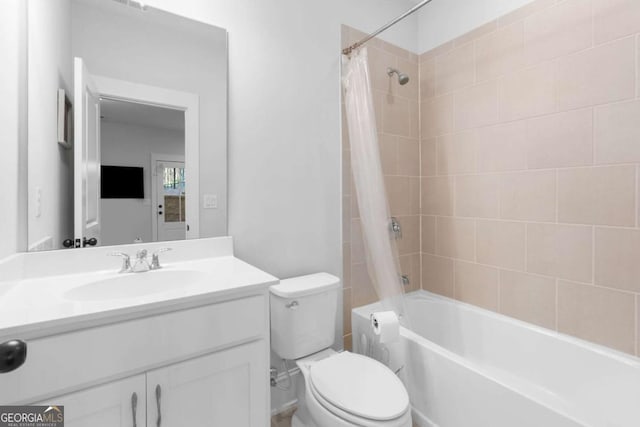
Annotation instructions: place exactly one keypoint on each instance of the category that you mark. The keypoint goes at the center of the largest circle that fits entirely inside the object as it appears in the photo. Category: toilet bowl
(350, 390)
(335, 389)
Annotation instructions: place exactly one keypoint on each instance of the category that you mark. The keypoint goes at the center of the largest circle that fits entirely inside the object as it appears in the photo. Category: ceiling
(142, 115)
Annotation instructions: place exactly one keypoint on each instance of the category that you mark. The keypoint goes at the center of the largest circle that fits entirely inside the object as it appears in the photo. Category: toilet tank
(303, 314)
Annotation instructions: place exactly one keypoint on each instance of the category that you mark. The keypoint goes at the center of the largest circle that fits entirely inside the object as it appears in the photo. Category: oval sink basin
(132, 285)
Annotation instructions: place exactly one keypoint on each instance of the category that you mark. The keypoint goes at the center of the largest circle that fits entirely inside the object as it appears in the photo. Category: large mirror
(127, 118)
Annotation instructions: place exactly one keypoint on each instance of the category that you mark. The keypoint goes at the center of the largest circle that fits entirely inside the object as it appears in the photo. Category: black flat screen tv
(121, 182)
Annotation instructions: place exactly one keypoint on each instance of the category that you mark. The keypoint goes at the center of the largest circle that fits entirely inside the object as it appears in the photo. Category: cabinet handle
(158, 394)
(134, 408)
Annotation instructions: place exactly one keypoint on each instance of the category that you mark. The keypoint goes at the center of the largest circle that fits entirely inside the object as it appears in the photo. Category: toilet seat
(359, 390)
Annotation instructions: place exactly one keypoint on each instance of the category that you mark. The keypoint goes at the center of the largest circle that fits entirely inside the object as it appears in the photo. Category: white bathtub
(469, 367)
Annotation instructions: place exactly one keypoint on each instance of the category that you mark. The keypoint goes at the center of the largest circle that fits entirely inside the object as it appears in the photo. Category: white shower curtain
(380, 246)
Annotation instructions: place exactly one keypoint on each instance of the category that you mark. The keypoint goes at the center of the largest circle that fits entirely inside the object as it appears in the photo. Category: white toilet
(337, 389)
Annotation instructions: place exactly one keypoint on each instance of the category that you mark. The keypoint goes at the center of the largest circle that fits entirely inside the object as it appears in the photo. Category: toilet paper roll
(386, 326)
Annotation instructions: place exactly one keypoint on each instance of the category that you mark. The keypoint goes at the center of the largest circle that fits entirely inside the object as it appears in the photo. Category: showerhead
(403, 79)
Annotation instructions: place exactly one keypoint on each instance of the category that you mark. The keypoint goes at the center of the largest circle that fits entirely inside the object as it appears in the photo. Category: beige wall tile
(524, 11)
(617, 253)
(347, 342)
(408, 157)
(398, 195)
(560, 140)
(437, 196)
(428, 234)
(457, 153)
(396, 118)
(528, 93)
(410, 266)
(346, 219)
(529, 298)
(476, 106)
(616, 133)
(346, 311)
(455, 238)
(558, 30)
(476, 33)
(379, 61)
(478, 196)
(500, 52)
(410, 242)
(428, 154)
(414, 195)
(501, 147)
(346, 265)
(597, 195)
(437, 275)
(362, 290)
(501, 243)
(615, 18)
(388, 153)
(437, 116)
(477, 284)
(529, 196)
(563, 251)
(603, 74)
(357, 244)
(428, 78)
(600, 315)
(638, 325)
(409, 90)
(455, 69)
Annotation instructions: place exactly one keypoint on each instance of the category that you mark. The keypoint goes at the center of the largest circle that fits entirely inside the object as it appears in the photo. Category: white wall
(128, 145)
(13, 87)
(113, 44)
(50, 165)
(444, 20)
(284, 122)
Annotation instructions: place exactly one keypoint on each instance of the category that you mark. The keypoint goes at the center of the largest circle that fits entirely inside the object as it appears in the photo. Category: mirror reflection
(132, 146)
(142, 179)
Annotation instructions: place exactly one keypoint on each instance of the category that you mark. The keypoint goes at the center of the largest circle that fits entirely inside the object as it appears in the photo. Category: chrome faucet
(126, 261)
(141, 264)
(155, 258)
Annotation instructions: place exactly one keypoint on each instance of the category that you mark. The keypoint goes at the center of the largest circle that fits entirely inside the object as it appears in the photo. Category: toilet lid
(360, 386)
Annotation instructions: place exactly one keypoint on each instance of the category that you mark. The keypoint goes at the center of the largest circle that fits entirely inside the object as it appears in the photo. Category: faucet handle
(155, 259)
(126, 261)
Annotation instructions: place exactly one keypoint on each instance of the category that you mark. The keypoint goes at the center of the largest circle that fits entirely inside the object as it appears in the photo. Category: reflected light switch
(210, 201)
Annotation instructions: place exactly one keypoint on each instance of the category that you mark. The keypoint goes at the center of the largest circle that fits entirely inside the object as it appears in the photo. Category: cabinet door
(224, 389)
(109, 405)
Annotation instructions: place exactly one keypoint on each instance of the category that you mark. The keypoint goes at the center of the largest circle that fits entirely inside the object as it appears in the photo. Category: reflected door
(86, 162)
(171, 198)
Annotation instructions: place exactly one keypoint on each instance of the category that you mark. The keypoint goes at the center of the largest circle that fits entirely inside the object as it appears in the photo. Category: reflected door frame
(155, 159)
(121, 90)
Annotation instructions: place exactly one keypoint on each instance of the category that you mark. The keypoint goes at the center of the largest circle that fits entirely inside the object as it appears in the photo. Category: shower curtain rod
(348, 50)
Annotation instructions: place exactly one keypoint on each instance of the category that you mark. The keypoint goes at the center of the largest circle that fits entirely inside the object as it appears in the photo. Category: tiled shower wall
(522, 196)
(530, 143)
(397, 115)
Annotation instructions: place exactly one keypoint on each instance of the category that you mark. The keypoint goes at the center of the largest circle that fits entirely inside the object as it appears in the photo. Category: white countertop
(33, 307)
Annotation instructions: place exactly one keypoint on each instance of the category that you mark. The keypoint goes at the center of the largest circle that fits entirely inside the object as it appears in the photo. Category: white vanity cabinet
(203, 366)
(115, 404)
(220, 389)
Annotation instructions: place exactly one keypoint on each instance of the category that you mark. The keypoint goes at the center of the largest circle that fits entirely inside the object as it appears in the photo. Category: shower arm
(348, 50)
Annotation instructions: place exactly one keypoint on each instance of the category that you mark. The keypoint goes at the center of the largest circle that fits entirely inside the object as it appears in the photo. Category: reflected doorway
(143, 147)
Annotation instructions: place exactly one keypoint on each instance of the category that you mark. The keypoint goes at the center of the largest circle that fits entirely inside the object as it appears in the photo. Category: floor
(284, 419)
